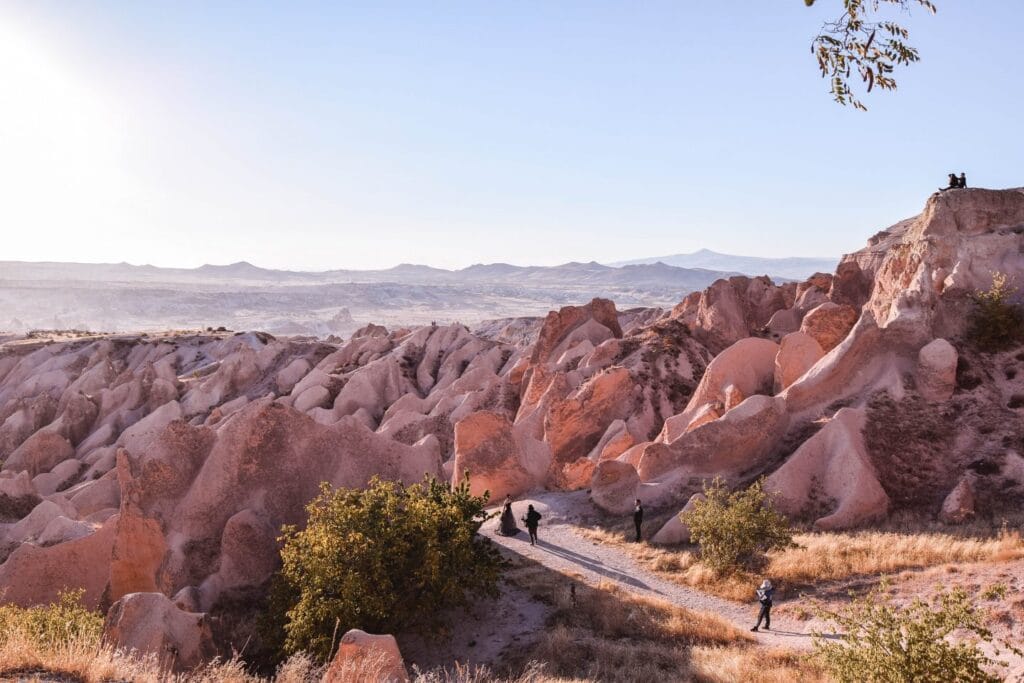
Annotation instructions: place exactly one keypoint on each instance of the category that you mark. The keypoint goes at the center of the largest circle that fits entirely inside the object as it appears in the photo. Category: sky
(318, 135)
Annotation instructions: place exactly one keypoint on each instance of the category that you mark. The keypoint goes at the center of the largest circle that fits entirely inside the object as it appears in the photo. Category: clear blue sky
(320, 135)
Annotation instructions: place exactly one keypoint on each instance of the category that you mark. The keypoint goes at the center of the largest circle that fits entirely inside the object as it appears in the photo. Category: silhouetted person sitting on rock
(962, 183)
(531, 520)
(954, 183)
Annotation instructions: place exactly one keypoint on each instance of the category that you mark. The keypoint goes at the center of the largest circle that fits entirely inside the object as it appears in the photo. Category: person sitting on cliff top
(962, 182)
(954, 183)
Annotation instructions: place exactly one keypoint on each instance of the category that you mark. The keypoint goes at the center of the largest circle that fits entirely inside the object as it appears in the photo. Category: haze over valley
(123, 297)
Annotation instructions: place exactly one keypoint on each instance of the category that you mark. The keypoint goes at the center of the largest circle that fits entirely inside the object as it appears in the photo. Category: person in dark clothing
(954, 183)
(764, 596)
(531, 520)
(508, 520)
(638, 518)
(962, 182)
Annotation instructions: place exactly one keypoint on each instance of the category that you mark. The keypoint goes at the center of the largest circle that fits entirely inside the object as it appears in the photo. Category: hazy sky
(321, 135)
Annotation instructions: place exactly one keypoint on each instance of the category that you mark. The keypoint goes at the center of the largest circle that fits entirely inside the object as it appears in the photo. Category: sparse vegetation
(385, 558)
(906, 439)
(608, 634)
(997, 319)
(49, 626)
(995, 591)
(890, 643)
(822, 557)
(735, 528)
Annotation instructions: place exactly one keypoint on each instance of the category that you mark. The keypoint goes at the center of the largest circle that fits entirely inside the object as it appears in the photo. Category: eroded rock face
(150, 624)
(486, 449)
(614, 485)
(798, 352)
(831, 478)
(829, 323)
(936, 370)
(958, 506)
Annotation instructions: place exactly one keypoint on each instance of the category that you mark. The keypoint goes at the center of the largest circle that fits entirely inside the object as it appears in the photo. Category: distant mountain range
(789, 268)
(126, 297)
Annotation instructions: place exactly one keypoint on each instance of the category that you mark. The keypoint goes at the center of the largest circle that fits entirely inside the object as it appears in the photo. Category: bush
(382, 559)
(49, 626)
(735, 529)
(997, 321)
(908, 643)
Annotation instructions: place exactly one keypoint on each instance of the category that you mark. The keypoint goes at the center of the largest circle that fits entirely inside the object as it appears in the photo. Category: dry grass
(831, 556)
(610, 634)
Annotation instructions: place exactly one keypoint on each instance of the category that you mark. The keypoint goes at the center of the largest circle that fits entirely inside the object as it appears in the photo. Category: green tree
(735, 528)
(885, 643)
(385, 558)
(860, 44)
(996, 322)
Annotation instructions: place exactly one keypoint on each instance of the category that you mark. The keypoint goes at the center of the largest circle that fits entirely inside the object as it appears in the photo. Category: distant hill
(121, 296)
(790, 268)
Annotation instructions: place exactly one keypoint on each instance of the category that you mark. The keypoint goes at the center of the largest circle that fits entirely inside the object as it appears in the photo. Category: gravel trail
(564, 550)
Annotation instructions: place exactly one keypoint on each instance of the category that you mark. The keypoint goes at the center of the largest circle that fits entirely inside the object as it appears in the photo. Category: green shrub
(885, 643)
(996, 322)
(61, 623)
(382, 559)
(735, 528)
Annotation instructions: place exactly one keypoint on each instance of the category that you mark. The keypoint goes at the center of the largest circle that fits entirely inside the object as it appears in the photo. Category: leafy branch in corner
(858, 44)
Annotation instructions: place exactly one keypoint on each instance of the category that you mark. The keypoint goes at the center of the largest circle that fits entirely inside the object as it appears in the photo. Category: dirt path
(562, 549)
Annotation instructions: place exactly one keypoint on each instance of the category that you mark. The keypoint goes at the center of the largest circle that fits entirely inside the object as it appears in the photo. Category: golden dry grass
(85, 659)
(610, 634)
(823, 557)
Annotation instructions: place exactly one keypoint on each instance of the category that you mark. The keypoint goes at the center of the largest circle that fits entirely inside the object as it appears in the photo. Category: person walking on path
(638, 518)
(508, 520)
(764, 596)
(531, 520)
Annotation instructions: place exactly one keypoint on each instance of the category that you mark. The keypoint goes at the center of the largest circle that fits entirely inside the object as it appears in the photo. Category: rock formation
(165, 465)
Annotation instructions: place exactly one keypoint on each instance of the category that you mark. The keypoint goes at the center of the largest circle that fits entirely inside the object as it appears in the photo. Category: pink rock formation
(366, 658)
(936, 370)
(486, 449)
(832, 473)
(829, 323)
(150, 624)
(959, 505)
(166, 464)
(798, 352)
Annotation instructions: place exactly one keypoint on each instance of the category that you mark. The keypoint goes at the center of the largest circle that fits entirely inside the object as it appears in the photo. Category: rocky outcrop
(486, 451)
(614, 486)
(150, 624)
(936, 370)
(959, 505)
(829, 323)
(366, 658)
(830, 477)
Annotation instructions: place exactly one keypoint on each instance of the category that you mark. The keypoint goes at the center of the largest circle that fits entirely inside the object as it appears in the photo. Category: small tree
(735, 528)
(384, 558)
(997, 321)
(882, 642)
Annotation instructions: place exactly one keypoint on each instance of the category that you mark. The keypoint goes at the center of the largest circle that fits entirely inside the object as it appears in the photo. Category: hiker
(531, 520)
(764, 596)
(954, 183)
(962, 183)
(508, 520)
(638, 518)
